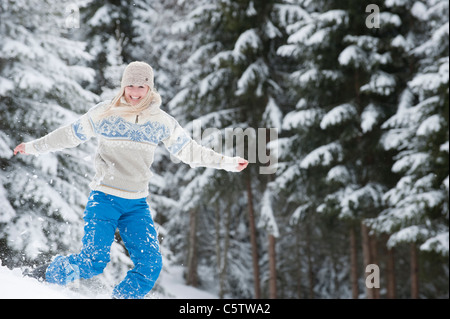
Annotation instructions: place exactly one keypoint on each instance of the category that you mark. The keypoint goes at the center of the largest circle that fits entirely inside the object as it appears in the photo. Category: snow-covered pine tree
(107, 27)
(157, 44)
(229, 81)
(41, 71)
(346, 86)
(208, 57)
(306, 152)
(417, 206)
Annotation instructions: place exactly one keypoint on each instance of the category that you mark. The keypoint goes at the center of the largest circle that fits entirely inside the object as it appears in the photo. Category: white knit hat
(137, 74)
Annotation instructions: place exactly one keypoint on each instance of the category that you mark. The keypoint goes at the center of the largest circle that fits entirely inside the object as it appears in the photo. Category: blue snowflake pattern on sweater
(117, 128)
(78, 130)
(179, 143)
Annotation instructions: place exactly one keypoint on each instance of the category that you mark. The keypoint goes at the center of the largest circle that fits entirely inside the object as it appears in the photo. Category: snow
(338, 115)
(267, 220)
(27, 234)
(5, 150)
(171, 286)
(14, 286)
(419, 10)
(408, 235)
(5, 85)
(297, 215)
(356, 199)
(400, 42)
(310, 35)
(287, 176)
(212, 81)
(312, 76)
(444, 147)
(323, 155)
(352, 55)
(48, 163)
(7, 212)
(431, 125)
(369, 118)
(172, 282)
(334, 17)
(290, 13)
(248, 39)
(380, 83)
(288, 50)
(401, 124)
(318, 37)
(432, 46)
(32, 79)
(365, 42)
(251, 11)
(302, 119)
(439, 244)
(428, 82)
(339, 174)
(390, 18)
(396, 3)
(203, 57)
(12, 48)
(205, 50)
(411, 162)
(301, 35)
(272, 31)
(101, 17)
(256, 72)
(272, 115)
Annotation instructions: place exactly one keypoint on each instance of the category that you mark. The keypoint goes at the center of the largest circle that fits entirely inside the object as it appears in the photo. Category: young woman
(128, 130)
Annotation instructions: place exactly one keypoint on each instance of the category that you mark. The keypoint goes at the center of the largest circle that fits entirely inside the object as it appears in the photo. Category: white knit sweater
(126, 147)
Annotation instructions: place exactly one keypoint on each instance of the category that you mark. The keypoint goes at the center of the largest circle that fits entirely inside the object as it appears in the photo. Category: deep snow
(14, 286)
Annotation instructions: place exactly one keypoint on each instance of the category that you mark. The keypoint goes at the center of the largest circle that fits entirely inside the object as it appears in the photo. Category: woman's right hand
(20, 149)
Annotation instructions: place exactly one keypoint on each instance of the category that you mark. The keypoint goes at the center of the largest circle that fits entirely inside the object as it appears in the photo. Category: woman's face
(134, 94)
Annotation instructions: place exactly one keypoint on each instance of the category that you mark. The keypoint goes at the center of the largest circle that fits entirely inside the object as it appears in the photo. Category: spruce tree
(230, 80)
(41, 74)
(417, 206)
(346, 83)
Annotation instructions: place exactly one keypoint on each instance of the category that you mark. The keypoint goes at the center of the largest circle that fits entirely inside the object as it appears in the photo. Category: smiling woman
(120, 186)
(134, 94)
(137, 92)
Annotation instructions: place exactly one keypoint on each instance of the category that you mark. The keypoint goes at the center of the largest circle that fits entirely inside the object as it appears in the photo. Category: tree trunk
(357, 88)
(299, 262)
(414, 272)
(272, 268)
(218, 252)
(192, 276)
(272, 242)
(374, 260)
(224, 266)
(354, 263)
(370, 293)
(310, 265)
(390, 274)
(251, 218)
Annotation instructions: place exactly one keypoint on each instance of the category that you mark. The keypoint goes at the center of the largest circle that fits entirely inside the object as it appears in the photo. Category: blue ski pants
(103, 215)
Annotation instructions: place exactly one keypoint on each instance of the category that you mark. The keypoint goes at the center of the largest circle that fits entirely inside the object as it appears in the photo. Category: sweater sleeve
(183, 147)
(64, 137)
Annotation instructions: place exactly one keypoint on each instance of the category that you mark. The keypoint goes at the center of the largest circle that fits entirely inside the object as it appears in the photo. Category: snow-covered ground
(14, 286)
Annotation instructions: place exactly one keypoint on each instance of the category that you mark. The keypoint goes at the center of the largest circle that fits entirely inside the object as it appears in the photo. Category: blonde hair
(120, 107)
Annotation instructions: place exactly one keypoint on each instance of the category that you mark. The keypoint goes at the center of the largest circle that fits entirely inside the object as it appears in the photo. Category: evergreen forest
(340, 106)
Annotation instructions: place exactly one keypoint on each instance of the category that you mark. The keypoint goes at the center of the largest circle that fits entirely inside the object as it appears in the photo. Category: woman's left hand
(242, 164)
